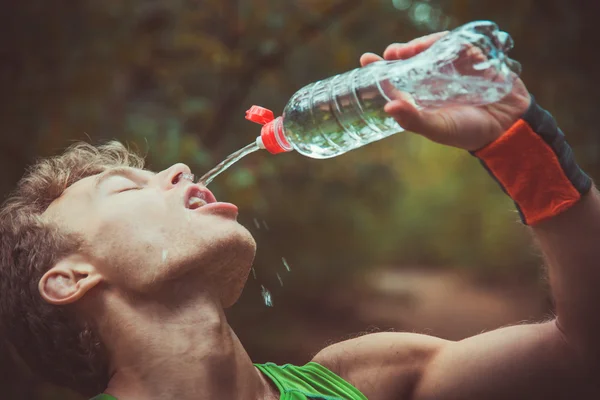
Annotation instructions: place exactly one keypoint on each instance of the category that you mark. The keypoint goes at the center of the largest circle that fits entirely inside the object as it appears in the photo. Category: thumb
(431, 125)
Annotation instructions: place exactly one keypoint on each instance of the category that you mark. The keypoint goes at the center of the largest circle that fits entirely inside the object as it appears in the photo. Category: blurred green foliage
(173, 79)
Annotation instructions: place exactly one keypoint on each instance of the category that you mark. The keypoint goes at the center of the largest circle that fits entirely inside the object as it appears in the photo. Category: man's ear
(68, 280)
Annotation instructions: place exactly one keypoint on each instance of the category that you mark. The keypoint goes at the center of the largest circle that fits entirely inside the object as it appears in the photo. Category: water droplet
(254, 272)
(266, 296)
(165, 253)
(256, 223)
(280, 280)
(285, 263)
(265, 225)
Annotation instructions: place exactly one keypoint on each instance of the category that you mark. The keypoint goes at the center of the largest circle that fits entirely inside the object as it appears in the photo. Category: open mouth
(196, 197)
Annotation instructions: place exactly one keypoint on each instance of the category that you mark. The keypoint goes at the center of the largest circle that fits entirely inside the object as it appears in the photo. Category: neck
(178, 351)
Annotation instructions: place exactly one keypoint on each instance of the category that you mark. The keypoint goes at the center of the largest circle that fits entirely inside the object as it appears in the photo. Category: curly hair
(51, 340)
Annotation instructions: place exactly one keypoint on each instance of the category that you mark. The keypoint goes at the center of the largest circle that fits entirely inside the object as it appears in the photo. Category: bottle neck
(280, 134)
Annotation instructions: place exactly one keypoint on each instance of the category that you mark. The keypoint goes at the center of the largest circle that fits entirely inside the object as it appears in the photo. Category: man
(114, 279)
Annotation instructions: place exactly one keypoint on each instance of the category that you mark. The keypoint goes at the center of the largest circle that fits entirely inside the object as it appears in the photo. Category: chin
(226, 262)
(218, 258)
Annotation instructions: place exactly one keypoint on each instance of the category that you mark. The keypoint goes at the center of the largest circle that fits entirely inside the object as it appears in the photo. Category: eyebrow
(119, 171)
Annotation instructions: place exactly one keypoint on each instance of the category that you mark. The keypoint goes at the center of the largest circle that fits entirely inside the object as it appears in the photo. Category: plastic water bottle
(327, 118)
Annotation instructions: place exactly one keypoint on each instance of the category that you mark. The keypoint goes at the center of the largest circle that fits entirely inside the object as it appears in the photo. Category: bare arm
(557, 359)
(571, 246)
(530, 362)
(533, 361)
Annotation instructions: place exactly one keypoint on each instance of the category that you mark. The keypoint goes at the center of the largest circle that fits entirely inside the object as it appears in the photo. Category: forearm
(571, 245)
(535, 165)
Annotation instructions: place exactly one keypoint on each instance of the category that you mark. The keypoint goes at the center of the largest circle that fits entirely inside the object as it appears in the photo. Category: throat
(189, 353)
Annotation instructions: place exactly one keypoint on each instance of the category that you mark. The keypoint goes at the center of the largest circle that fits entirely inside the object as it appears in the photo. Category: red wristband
(530, 173)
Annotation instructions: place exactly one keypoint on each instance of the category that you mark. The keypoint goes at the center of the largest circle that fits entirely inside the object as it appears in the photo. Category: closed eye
(125, 184)
(130, 188)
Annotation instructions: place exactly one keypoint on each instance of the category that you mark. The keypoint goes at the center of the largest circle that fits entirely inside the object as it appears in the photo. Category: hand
(465, 127)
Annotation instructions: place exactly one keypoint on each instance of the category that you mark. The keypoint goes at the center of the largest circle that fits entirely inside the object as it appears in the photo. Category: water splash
(266, 296)
(280, 280)
(254, 272)
(256, 223)
(285, 264)
(265, 225)
(165, 253)
(207, 178)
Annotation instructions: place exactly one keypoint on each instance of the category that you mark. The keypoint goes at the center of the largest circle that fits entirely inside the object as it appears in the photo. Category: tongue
(195, 204)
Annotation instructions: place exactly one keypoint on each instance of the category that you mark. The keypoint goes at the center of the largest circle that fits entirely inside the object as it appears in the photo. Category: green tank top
(309, 382)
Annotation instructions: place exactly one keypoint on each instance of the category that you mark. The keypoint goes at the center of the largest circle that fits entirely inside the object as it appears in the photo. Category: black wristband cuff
(533, 163)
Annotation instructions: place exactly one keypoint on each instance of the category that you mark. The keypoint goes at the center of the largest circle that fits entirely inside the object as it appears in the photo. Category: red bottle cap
(271, 135)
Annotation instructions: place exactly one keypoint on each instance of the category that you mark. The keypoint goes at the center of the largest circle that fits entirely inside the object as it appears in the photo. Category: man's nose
(173, 175)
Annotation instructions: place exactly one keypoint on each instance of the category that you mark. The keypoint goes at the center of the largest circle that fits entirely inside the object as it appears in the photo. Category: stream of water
(226, 163)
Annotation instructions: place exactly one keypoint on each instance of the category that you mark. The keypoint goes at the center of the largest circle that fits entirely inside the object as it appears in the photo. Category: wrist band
(533, 163)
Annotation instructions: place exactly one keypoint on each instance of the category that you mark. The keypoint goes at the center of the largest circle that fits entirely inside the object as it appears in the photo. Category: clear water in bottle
(468, 66)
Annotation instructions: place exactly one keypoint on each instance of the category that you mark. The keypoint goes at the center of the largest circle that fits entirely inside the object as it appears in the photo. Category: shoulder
(380, 348)
(381, 365)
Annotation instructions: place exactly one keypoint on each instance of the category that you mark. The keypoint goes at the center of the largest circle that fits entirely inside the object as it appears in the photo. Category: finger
(391, 52)
(369, 58)
(402, 51)
(411, 119)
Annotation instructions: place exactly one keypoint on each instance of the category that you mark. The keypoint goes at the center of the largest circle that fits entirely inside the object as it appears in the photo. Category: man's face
(145, 230)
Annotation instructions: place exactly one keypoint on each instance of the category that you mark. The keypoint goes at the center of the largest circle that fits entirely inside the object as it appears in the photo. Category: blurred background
(399, 235)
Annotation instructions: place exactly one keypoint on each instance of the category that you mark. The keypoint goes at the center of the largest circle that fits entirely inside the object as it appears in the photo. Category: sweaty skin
(156, 276)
